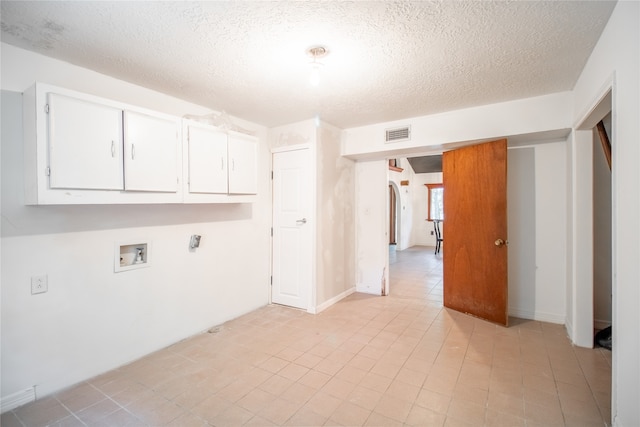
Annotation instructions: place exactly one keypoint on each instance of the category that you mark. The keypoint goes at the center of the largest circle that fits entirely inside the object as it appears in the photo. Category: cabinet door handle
(233, 164)
(113, 148)
(133, 151)
(221, 163)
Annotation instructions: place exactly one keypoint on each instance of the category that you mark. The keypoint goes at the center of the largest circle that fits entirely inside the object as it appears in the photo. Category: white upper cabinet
(81, 149)
(207, 154)
(243, 164)
(220, 166)
(151, 152)
(85, 144)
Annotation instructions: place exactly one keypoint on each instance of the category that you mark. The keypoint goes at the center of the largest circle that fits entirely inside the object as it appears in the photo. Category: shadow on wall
(521, 211)
(18, 219)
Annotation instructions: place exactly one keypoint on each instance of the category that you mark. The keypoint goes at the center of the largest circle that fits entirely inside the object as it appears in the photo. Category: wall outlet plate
(39, 284)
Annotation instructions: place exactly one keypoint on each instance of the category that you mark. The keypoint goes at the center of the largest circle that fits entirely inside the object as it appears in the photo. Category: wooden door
(475, 213)
(292, 227)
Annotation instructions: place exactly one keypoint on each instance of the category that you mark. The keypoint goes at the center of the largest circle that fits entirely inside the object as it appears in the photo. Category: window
(435, 207)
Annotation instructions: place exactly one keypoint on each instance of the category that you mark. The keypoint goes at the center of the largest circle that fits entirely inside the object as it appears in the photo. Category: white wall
(536, 193)
(521, 219)
(580, 229)
(303, 132)
(336, 218)
(541, 115)
(92, 320)
(372, 240)
(550, 217)
(615, 61)
(422, 228)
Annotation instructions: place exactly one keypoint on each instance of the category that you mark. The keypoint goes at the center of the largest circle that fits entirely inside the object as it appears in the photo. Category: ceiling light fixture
(316, 53)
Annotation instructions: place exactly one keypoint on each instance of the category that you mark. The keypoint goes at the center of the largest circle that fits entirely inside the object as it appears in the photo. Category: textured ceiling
(387, 60)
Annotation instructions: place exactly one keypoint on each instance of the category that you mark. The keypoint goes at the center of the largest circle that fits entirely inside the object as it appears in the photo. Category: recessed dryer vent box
(132, 255)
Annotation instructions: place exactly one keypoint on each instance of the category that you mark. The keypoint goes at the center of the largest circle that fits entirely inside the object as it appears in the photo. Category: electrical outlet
(39, 284)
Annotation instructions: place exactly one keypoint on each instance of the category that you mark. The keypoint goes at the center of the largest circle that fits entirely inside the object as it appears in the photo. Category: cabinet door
(85, 144)
(151, 153)
(243, 164)
(207, 160)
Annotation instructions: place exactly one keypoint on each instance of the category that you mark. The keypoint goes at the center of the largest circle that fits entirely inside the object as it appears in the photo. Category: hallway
(367, 360)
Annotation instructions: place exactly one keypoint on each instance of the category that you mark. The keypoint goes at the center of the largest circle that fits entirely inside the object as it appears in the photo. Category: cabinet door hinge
(47, 171)
(46, 108)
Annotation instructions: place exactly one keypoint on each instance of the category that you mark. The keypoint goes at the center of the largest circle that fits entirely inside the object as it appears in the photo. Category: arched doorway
(394, 218)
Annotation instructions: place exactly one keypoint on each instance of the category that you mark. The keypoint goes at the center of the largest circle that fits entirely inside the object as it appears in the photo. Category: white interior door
(292, 226)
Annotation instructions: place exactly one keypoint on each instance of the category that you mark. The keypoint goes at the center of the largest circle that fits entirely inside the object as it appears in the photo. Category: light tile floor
(400, 360)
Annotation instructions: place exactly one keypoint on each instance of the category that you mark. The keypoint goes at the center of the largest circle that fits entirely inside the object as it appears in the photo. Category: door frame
(311, 303)
(580, 315)
(397, 211)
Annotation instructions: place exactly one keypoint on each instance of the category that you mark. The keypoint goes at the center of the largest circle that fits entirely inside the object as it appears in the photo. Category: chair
(436, 227)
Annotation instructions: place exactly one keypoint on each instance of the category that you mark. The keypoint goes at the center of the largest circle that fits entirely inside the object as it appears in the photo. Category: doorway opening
(602, 227)
(593, 258)
(407, 209)
(394, 218)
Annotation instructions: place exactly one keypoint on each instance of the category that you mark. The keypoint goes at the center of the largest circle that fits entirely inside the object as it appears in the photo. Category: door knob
(500, 242)
(301, 221)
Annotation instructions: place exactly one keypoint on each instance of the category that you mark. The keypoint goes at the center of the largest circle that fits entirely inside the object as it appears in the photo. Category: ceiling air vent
(398, 134)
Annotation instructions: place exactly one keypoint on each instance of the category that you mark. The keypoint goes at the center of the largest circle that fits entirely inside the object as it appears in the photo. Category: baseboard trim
(536, 315)
(17, 399)
(368, 289)
(330, 302)
(569, 327)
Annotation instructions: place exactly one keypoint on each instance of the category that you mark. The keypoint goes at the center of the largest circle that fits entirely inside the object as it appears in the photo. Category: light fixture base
(316, 52)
